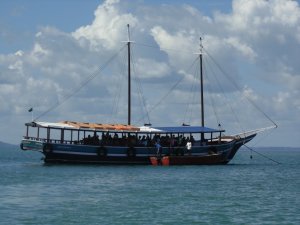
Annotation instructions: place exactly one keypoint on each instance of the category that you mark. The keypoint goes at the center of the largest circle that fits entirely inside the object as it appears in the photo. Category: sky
(49, 50)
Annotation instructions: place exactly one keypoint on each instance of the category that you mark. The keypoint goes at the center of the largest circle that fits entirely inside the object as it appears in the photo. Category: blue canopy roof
(187, 129)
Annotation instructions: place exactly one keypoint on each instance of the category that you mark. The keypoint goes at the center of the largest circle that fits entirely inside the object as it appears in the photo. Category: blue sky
(26, 17)
(49, 47)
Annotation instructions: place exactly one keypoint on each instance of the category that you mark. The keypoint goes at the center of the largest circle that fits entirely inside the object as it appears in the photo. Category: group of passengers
(91, 140)
(108, 139)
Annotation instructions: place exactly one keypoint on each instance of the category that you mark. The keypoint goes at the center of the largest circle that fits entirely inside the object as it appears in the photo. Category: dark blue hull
(88, 154)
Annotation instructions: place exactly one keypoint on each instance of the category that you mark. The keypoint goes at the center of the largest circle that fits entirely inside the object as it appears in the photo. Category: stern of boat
(27, 144)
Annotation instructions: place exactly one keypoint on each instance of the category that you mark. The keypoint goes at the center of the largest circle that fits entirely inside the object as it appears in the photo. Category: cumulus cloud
(243, 48)
(104, 32)
(269, 29)
(168, 41)
(149, 68)
(257, 42)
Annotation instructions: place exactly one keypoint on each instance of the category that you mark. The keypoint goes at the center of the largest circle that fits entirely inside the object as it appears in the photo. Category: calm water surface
(247, 191)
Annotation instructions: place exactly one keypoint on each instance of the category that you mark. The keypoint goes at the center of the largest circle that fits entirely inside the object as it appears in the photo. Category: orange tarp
(99, 126)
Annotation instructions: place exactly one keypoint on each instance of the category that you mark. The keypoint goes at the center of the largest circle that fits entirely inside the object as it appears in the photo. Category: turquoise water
(247, 191)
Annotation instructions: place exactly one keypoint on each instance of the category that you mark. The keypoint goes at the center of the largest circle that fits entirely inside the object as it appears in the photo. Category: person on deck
(158, 147)
(189, 146)
(172, 144)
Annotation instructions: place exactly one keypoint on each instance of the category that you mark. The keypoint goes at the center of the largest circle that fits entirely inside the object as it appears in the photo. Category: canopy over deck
(122, 128)
(84, 126)
(100, 126)
(180, 129)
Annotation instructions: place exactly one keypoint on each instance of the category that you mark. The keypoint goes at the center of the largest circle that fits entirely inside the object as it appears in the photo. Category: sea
(255, 188)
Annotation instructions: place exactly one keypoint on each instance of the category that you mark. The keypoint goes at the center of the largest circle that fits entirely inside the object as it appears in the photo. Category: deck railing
(55, 141)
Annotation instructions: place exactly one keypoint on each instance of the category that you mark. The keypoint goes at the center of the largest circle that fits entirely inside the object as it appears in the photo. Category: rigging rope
(264, 135)
(225, 95)
(262, 155)
(142, 98)
(167, 94)
(239, 89)
(193, 95)
(211, 98)
(84, 83)
(122, 68)
(228, 77)
(166, 49)
(197, 77)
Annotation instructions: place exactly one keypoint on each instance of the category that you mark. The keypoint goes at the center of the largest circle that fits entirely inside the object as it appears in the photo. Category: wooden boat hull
(116, 155)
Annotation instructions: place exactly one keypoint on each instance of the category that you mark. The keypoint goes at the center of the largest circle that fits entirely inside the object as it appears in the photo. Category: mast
(129, 79)
(201, 85)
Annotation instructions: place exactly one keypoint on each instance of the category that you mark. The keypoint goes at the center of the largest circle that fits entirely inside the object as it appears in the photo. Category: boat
(119, 144)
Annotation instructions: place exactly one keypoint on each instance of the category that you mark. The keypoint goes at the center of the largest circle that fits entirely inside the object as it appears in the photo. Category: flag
(30, 110)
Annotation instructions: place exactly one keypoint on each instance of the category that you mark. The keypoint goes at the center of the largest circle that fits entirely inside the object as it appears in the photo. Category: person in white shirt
(189, 147)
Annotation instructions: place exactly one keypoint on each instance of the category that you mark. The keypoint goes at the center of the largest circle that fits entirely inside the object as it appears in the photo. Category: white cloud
(149, 68)
(170, 42)
(248, 16)
(243, 48)
(38, 53)
(259, 40)
(105, 31)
